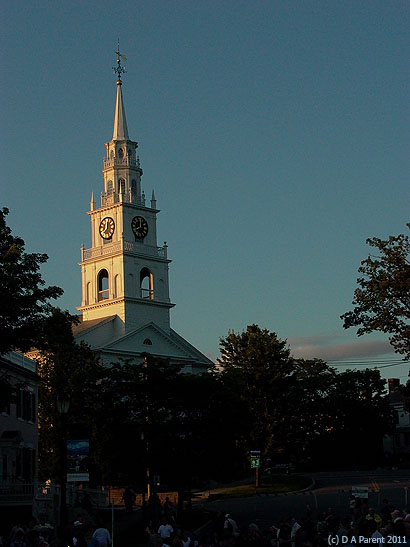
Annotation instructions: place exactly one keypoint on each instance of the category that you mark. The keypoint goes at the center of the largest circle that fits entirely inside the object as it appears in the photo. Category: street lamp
(63, 406)
(63, 403)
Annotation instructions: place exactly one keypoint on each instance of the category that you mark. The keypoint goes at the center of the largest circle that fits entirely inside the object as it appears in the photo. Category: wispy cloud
(322, 348)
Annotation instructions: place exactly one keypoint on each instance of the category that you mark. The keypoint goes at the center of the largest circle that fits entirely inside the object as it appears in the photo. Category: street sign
(255, 462)
(360, 492)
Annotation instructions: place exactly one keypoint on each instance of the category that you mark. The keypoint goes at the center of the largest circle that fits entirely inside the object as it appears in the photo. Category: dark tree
(259, 364)
(139, 395)
(184, 427)
(358, 417)
(25, 299)
(382, 299)
(303, 411)
(70, 368)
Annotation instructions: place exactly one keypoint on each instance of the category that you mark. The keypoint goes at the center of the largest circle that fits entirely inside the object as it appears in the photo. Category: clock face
(107, 227)
(140, 227)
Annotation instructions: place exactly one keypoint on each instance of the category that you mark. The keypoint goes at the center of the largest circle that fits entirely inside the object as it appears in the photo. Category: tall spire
(120, 122)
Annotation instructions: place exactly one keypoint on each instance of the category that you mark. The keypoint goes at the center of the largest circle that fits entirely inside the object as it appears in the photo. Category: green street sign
(255, 462)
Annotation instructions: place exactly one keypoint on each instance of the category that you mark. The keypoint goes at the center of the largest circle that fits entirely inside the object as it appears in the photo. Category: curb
(304, 492)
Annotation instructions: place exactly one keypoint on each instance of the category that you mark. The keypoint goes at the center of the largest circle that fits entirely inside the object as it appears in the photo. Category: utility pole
(147, 472)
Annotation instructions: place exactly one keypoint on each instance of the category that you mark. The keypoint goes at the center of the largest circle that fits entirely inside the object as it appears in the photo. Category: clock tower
(125, 272)
(125, 301)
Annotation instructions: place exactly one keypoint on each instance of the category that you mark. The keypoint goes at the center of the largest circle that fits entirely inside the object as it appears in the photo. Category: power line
(376, 363)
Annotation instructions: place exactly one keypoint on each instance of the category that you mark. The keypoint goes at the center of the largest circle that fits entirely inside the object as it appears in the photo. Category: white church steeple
(124, 273)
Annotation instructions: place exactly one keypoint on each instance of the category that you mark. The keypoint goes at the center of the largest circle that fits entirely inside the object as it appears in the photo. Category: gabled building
(397, 444)
(125, 302)
(18, 436)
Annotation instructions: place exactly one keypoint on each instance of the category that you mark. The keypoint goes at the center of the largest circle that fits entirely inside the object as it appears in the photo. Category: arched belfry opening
(102, 283)
(146, 284)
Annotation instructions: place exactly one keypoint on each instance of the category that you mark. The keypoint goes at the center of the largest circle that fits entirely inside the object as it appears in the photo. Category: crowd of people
(360, 524)
(76, 534)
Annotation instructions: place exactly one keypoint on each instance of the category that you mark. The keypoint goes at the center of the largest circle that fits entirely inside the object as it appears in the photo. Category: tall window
(102, 281)
(109, 187)
(121, 186)
(4, 471)
(146, 284)
(26, 405)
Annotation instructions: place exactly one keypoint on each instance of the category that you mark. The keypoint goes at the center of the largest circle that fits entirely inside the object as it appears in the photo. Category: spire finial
(119, 69)
(120, 124)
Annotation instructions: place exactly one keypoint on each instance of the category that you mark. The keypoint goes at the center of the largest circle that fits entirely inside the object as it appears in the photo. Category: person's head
(253, 528)
(345, 521)
(19, 535)
(371, 527)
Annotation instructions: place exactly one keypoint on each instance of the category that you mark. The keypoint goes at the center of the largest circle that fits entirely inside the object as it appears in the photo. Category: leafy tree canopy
(382, 299)
(259, 366)
(24, 296)
(177, 415)
(64, 367)
(302, 410)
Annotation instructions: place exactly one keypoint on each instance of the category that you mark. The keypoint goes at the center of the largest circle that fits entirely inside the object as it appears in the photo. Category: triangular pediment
(152, 339)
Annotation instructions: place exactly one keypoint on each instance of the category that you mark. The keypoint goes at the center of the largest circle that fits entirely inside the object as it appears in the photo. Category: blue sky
(275, 134)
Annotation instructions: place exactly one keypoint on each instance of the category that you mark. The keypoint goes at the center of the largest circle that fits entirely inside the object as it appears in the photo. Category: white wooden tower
(125, 272)
(125, 301)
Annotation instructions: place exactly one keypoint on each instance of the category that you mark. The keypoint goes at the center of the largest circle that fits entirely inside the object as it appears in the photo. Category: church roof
(149, 338)
(189, 347)
(88, 325)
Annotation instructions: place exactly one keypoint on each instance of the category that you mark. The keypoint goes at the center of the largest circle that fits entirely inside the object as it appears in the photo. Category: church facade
(125, 301)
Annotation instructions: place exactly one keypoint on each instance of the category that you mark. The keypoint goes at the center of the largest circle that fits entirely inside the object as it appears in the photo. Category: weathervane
(119, 69)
